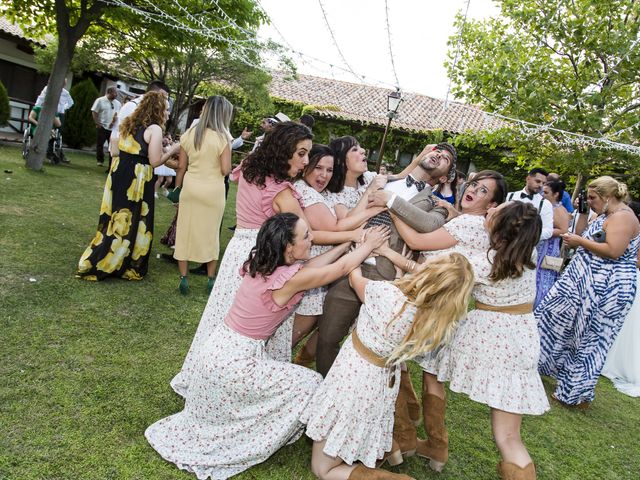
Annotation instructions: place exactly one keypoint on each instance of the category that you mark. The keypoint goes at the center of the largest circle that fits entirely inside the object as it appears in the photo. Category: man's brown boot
(436, 446)
(411, 398)
(511, 471)
(404, 429)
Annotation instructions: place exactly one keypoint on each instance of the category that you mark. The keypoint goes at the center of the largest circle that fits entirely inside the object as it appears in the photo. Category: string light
(393, 63)
(335, 42)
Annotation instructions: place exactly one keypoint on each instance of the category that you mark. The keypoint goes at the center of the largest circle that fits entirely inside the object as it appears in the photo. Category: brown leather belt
(520, 309)
(364, 352)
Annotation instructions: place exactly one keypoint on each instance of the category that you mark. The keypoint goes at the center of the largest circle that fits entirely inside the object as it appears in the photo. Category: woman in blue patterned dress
(583, 312)
(545, 278)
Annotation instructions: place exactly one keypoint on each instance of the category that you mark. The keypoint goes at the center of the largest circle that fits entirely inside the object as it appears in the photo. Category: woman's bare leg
(302, 325)
(328, 468)
(506, 433)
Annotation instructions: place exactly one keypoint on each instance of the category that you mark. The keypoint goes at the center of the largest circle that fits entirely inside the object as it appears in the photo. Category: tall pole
(384, 139)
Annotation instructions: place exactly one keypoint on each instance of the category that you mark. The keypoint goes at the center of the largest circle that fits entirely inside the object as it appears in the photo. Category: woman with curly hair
(242, 405)
(264, 189)
(121, 246)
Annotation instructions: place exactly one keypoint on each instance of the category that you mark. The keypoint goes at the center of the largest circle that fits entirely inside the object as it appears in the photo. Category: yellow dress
(202, 199)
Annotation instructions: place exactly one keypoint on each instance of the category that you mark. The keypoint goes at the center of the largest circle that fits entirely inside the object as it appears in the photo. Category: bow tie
(527, 195)
(418, 183)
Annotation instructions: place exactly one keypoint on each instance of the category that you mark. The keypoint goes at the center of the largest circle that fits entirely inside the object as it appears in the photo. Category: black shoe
(200, 270)
(168, 257)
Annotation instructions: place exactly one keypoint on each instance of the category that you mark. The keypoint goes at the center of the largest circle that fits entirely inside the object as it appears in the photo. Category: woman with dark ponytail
(242, 405)
(494, 353)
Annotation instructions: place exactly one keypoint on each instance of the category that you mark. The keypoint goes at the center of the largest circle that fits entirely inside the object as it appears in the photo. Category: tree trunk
(581, 180)
(42, 134)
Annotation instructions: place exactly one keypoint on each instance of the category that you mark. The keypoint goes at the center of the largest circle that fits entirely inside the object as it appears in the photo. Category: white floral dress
(493, 356)
(353, 407)
(241, 405)
(313, 300)
(350, 196)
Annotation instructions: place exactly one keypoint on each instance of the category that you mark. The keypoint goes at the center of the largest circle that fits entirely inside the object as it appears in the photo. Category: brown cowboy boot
(404, 429)
(365, 473)
(304, 358)
(410, 396)
(511, 471)
(436, 447)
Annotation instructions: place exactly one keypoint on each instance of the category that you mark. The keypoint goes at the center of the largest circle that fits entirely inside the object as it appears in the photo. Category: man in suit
(411, 199)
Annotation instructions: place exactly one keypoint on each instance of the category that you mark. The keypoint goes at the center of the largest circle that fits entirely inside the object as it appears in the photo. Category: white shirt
(126, 110)
(399, 189)
(105, 109)
(545, 212)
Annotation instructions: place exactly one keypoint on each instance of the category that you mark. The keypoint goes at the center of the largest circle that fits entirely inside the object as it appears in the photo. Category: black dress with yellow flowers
(122, 243)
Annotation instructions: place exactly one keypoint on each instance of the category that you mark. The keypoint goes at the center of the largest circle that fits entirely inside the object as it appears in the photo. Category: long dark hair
(341, 147)
(318, 151)
(515, 232)
(556, 187)
(500, 193)
(268, 254)
(271, 158)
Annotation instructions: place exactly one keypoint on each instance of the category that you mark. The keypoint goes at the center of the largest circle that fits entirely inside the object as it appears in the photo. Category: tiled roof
(368, 104)
(13, 29)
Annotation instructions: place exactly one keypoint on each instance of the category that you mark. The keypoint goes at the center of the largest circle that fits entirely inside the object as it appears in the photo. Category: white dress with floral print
(493, 356)
(313, 300)
(353, 407)
(349, 196)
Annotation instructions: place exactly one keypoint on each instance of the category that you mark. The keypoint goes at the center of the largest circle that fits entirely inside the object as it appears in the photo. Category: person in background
(128, 108)
(308, 121)
(566, 198)
(583, 312)
(122, 244)
(267, 125)
(383, 170)
(545, 277)
(532, 193)
(623, 360)
(205, 159)
(448, 191)
(64, 104)
(104, 112)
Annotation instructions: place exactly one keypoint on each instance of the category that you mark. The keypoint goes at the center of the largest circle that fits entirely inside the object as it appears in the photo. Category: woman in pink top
(241, 405)
(264, 189)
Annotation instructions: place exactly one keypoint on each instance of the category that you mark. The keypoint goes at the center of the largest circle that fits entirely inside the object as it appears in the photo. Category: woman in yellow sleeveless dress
(205, 159)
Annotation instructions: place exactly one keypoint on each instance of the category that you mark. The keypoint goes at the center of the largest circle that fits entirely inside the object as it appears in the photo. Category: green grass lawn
(85, 366)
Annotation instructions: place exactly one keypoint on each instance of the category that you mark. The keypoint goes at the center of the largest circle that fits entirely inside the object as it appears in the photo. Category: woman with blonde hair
(122, 243)
(350, 417)
(583, 312)
(205, 159)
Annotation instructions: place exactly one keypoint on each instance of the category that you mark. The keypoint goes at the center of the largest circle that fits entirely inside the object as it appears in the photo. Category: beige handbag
(554, 263)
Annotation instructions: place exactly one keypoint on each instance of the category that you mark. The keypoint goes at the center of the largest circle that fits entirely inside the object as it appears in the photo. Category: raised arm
(313, 277)
(438, 239)
(358, 282)
(322, 219)
(284, 201)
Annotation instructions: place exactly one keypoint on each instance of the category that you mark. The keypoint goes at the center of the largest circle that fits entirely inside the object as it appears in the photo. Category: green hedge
(5, 110)
(79, 130)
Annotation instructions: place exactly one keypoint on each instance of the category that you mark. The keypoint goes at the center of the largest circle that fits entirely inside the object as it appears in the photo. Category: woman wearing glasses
(465, 234)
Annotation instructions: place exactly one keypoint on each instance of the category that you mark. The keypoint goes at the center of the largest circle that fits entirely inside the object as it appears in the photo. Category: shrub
(78, 129)
(5, 110)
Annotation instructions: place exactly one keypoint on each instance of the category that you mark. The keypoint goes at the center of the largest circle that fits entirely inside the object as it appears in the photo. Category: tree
(70, 19)
(166, 22)
(5, 110)
(79, 128)
(570, 64)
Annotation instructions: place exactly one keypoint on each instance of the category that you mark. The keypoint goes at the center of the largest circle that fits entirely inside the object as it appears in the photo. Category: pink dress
(241, 406)
(254, 205)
